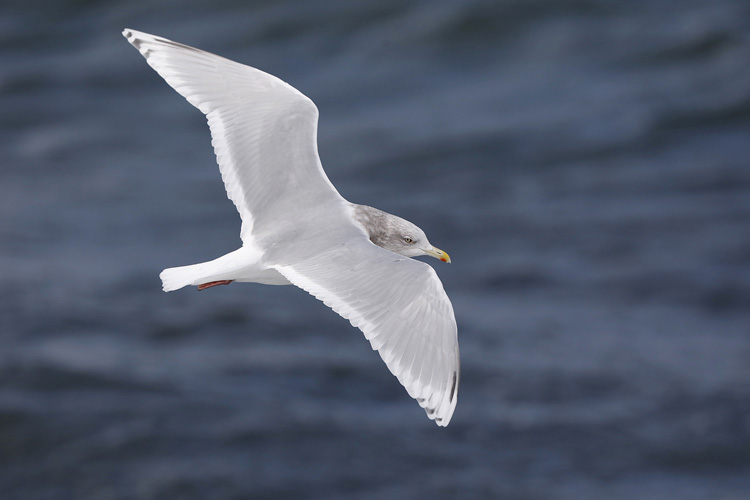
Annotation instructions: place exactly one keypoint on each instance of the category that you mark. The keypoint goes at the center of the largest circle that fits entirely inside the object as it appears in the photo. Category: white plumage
(296, 228)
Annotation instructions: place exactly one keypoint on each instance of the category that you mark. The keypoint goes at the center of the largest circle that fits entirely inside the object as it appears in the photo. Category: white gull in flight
(297, 229)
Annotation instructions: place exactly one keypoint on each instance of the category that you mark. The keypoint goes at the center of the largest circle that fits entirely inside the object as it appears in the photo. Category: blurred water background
(585, 162)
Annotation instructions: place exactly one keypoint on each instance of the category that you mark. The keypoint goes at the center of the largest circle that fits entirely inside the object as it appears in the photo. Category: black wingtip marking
(453, 387)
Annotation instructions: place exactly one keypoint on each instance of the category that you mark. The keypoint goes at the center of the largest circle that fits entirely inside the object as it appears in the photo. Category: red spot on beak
(444, 260)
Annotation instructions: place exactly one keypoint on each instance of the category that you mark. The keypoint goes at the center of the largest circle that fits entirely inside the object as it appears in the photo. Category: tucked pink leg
(203, 286)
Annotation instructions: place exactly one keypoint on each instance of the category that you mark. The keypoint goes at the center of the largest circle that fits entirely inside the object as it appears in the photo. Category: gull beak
(438, 254)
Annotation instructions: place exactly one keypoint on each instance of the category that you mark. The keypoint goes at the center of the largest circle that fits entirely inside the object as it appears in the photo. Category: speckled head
(396, 234)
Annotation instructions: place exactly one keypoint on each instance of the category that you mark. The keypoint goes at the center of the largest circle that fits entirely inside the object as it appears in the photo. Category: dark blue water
(585, 163)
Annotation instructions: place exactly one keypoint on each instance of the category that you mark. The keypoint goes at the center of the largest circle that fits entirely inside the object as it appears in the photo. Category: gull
(297, 229)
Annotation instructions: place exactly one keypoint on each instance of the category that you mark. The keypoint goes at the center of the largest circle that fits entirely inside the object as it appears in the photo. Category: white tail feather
(232, 266)
(175, 278)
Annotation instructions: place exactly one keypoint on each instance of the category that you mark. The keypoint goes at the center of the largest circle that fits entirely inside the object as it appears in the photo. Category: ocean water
(585, 163)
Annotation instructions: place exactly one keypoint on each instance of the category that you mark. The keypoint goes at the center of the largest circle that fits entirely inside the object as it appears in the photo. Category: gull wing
(401, 307)
(264, 132)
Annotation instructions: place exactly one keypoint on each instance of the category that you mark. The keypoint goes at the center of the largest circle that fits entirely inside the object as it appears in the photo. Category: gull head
(396, 234)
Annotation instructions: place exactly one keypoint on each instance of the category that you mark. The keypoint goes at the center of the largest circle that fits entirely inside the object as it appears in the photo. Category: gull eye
(408, 239)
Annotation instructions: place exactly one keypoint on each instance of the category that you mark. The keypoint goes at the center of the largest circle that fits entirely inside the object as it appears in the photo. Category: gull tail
(175, 278)
(227, 267)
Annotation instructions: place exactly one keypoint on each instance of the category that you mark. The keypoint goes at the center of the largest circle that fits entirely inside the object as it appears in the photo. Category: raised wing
(264, 132)
(401, 307)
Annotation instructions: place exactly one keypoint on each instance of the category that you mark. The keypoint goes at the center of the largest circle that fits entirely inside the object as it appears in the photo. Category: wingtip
(135, 36)
(441, 411)
(130, 36)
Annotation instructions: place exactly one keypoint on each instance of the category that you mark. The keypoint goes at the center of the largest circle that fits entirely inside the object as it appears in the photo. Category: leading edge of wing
(401, 307)
(264, 131)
